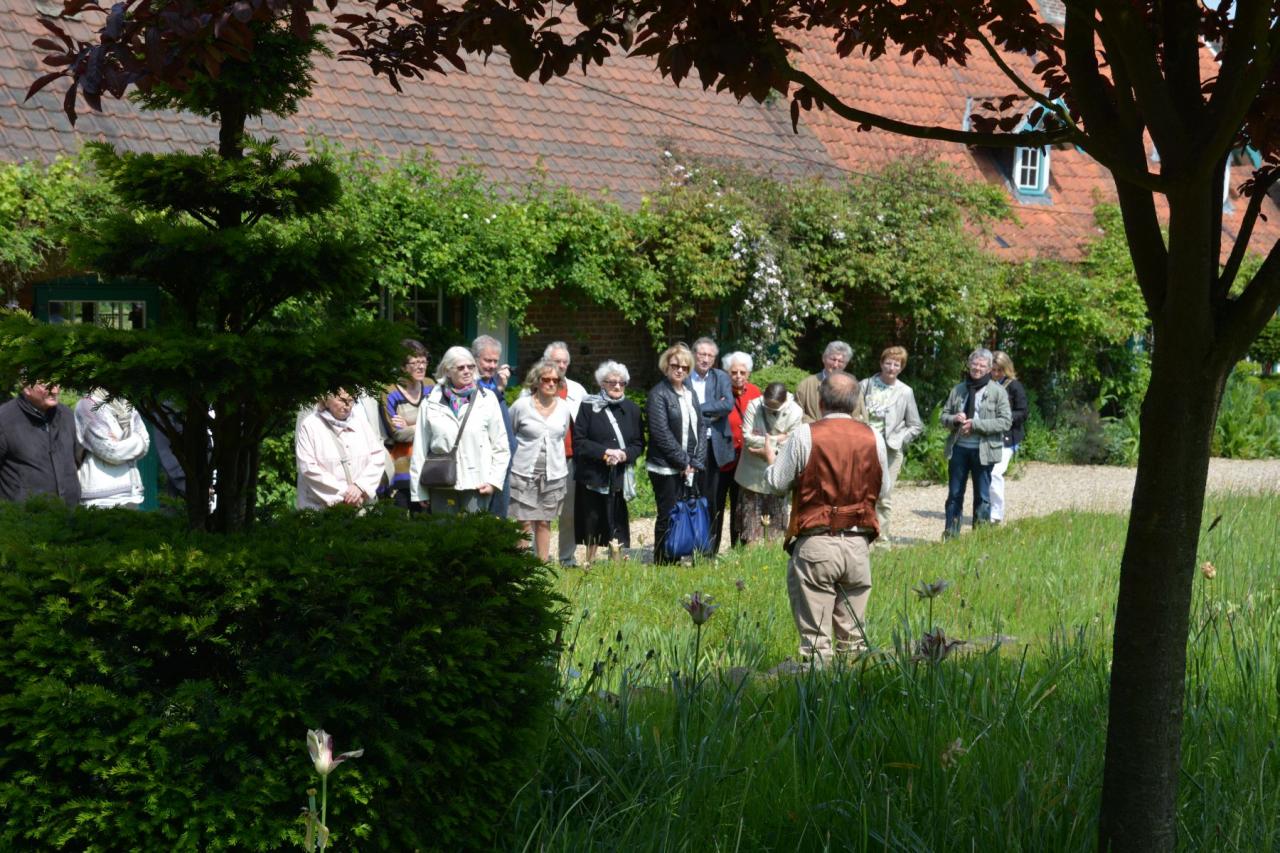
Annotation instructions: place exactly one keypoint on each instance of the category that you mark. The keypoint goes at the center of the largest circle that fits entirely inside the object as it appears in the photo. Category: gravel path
(1041, 489)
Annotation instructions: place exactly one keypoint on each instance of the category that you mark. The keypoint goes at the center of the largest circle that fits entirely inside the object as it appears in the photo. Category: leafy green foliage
(274, 78)
(1248, 424)
(157, 684)
(917, 256)
(1266, 349)
(1076, 331)
(789, 376)
(39, 207)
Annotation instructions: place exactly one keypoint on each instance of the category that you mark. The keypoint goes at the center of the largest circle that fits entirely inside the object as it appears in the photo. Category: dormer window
(1031, 170)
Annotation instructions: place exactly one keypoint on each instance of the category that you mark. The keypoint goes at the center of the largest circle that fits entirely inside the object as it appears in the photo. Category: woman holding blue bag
(677, 441)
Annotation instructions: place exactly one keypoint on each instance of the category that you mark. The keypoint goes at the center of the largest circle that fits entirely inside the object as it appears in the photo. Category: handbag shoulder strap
(475, 398)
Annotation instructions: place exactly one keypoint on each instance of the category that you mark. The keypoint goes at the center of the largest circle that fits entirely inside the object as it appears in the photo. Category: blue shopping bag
(690, 528)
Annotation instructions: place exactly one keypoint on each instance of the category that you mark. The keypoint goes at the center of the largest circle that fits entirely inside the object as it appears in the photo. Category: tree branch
(1126, 39)
(1052, 106)
(1244, 318)
(1247, 62)
(1228, 275)
(1146, 243)
(829, 101)
(1115, 137)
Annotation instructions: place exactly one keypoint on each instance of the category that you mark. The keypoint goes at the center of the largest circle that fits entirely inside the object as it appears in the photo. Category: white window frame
(1039, 170)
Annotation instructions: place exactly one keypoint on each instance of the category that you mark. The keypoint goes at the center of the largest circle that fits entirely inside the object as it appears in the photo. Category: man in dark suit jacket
(711, 386)
(38, 446)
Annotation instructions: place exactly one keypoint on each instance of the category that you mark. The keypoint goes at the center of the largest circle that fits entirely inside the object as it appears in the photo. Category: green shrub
(156, 684)
(1266, 347)
(790, 376)
(1248, 424)
(926, 456)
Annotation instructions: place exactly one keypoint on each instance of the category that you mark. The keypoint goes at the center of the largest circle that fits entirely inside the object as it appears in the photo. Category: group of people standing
(562, 453)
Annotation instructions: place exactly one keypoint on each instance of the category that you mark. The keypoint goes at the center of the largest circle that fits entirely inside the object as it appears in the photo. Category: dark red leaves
(41, 82)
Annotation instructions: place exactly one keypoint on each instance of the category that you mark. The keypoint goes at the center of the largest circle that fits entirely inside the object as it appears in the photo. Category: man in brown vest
(834, 468)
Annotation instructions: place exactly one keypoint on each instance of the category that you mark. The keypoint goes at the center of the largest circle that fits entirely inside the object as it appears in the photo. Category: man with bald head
(834, 468)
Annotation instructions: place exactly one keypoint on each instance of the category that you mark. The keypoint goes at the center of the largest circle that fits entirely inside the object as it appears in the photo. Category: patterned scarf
(458, 397)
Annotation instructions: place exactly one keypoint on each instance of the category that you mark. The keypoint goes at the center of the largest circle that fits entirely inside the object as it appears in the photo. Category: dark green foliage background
(156, 685)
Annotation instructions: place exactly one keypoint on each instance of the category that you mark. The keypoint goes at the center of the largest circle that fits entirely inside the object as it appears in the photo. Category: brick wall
(595, 333)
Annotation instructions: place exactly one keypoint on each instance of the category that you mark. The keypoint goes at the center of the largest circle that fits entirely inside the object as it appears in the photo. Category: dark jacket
(37, 452)
(716, 409)
(593, 435)
(1018, 406)
(663, 412)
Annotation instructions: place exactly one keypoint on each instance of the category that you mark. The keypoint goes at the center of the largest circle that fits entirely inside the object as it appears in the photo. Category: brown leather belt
(827, 531)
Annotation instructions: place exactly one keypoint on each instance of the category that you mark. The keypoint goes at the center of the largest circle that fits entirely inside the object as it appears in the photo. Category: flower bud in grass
(931, 590)
(740, 584)
(699, 607)
(1208, 570)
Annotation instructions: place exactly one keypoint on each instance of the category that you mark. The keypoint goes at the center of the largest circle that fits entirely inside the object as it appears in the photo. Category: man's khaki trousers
(823, 572)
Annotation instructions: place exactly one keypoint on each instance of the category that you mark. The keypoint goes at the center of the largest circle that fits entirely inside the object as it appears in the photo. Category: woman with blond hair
(890, 407)
(677, 439)
(539, 468)
(1002, 371)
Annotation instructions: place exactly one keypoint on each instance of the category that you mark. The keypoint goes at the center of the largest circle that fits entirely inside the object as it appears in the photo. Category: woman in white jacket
(114, 439)
(482, 453)
(340, 458)
(770, 419)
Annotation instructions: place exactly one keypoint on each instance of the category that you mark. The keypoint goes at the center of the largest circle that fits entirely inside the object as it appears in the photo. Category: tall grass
(998, 747)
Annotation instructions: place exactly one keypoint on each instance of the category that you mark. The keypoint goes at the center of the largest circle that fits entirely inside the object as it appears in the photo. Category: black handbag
(440, 470)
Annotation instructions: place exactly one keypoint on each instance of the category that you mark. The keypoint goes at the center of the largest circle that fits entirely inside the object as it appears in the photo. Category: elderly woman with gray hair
(608, 437)
(739, 366)
(978, 415)
(461, 420)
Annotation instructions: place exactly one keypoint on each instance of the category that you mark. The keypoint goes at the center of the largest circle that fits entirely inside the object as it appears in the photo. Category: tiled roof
(602, 132)
(1058, 225)
(607, 131)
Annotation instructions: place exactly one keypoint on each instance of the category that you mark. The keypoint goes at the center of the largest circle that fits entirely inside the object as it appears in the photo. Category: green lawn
(999, 747)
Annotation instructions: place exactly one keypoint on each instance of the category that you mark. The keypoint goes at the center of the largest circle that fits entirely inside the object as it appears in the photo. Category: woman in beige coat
(769, 420)
(890, 406)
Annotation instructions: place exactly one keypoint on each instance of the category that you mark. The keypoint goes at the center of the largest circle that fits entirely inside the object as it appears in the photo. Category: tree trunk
(1148, 669)
(233, 450)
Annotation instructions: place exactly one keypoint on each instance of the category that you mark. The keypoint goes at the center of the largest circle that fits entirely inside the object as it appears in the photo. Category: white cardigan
(484, 453)
(535, 433)
(321, 480)
(109, 474)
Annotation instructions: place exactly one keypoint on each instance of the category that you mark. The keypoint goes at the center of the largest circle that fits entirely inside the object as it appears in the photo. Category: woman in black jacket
(677, 439)
(608, 437)
(1002, 371)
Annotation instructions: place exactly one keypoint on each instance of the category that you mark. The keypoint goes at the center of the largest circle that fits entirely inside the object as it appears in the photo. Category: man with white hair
(835, 357)
(573, 393)
(714, 393)
(487, 351)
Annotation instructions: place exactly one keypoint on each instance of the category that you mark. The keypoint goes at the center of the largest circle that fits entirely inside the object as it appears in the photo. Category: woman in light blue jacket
(978, 415)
